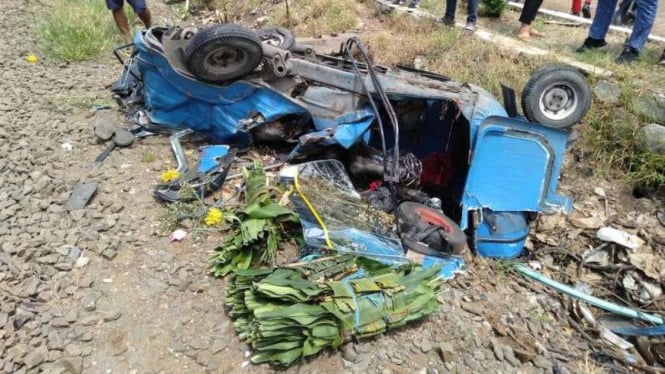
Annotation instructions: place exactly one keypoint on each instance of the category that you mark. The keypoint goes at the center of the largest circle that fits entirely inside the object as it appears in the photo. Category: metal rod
(600, 303)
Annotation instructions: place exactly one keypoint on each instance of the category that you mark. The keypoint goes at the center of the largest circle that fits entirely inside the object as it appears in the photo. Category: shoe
(661, 62)
(469, 28)
(445, 20)
(628, 55)
(591, 43)
(586, 11)
(414, 4)
(399, 2)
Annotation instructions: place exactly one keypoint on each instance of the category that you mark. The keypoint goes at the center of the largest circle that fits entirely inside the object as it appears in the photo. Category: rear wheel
(556, 96)
(223, 53)
(421, 224)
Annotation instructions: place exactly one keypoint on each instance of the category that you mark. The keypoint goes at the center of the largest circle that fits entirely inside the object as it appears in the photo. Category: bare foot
(537, 33)
(524, 35)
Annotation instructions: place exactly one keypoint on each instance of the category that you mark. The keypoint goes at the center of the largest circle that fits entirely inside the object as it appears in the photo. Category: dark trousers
(530, 10)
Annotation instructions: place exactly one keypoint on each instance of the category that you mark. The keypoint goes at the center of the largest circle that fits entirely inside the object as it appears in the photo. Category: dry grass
(448, 52)
(589, 367)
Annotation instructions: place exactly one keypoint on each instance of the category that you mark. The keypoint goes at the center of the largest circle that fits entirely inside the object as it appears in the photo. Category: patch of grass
(449, 53)
(503, 267)
(589, 366)
(148, 157)
(317, 17)
(75, 30)
(84, 103)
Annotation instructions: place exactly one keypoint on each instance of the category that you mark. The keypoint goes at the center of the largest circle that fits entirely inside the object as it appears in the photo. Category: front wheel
(556, 96)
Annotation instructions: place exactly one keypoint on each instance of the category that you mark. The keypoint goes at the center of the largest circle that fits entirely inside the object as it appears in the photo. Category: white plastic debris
(622, 238)
(535, 265)
(67, 146)
(81, 262)
(177, 235)
(599, 191)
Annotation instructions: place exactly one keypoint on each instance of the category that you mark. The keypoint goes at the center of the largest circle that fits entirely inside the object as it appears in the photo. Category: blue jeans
(471, 13)
(646, 14)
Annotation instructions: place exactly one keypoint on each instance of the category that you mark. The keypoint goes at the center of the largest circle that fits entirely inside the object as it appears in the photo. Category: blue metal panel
(515, 167)
(175, 100)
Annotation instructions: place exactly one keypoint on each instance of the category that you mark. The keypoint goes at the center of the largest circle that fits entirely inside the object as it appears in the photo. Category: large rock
(652, 138)
(607, 92)
(650, 107)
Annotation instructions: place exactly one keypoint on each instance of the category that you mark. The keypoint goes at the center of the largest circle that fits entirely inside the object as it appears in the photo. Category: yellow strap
(311, 208)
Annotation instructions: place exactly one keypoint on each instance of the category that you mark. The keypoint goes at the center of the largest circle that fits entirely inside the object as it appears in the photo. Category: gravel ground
(101, 290)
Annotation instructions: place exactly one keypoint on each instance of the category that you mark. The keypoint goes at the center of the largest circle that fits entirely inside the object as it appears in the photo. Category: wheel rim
(225, 60)
(275, 40)
(558, 101)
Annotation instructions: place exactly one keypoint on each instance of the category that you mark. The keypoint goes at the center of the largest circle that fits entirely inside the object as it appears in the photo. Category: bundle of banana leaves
(259, 227)
(290, 313)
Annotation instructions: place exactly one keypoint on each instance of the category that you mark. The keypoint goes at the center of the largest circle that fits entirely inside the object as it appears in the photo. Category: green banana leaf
(291, 313)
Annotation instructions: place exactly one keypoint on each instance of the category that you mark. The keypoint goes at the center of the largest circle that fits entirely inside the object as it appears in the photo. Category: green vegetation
(259, 227)
(292, 313)
(75, 30)
(492, 8)
(147, 157)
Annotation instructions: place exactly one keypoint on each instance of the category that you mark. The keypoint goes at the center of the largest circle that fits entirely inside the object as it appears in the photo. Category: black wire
(347, 50)
(386, 103)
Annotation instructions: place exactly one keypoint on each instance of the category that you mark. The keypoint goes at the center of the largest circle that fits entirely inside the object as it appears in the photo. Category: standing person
(471, 15)
(139, 7)
(644, 18)
(662, 59)
(528, 15)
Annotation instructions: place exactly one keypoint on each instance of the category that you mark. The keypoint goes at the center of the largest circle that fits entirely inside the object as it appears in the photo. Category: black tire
(414, 218)
(223, 53)
(278, 37)
(556, 96)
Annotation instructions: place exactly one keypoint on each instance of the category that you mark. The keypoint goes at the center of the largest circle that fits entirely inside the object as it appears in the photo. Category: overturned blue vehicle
(450, 146)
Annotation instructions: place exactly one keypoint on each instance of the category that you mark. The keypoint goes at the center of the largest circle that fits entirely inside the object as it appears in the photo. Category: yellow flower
(170, 175)
(214, 217)
(31, 58)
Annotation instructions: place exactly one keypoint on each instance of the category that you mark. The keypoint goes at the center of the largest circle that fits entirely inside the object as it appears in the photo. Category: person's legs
(123, 24)
(603, 18)
(472, 12)
(451, 8)
(644, 18)
(526, 17)
(142, 11)
(576, 7)
(529, 11)
(116, 8)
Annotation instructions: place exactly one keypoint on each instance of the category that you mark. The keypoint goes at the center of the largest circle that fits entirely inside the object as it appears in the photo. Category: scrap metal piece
(599, 303)
(209, 176)
(181, 159)
(81, 195)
